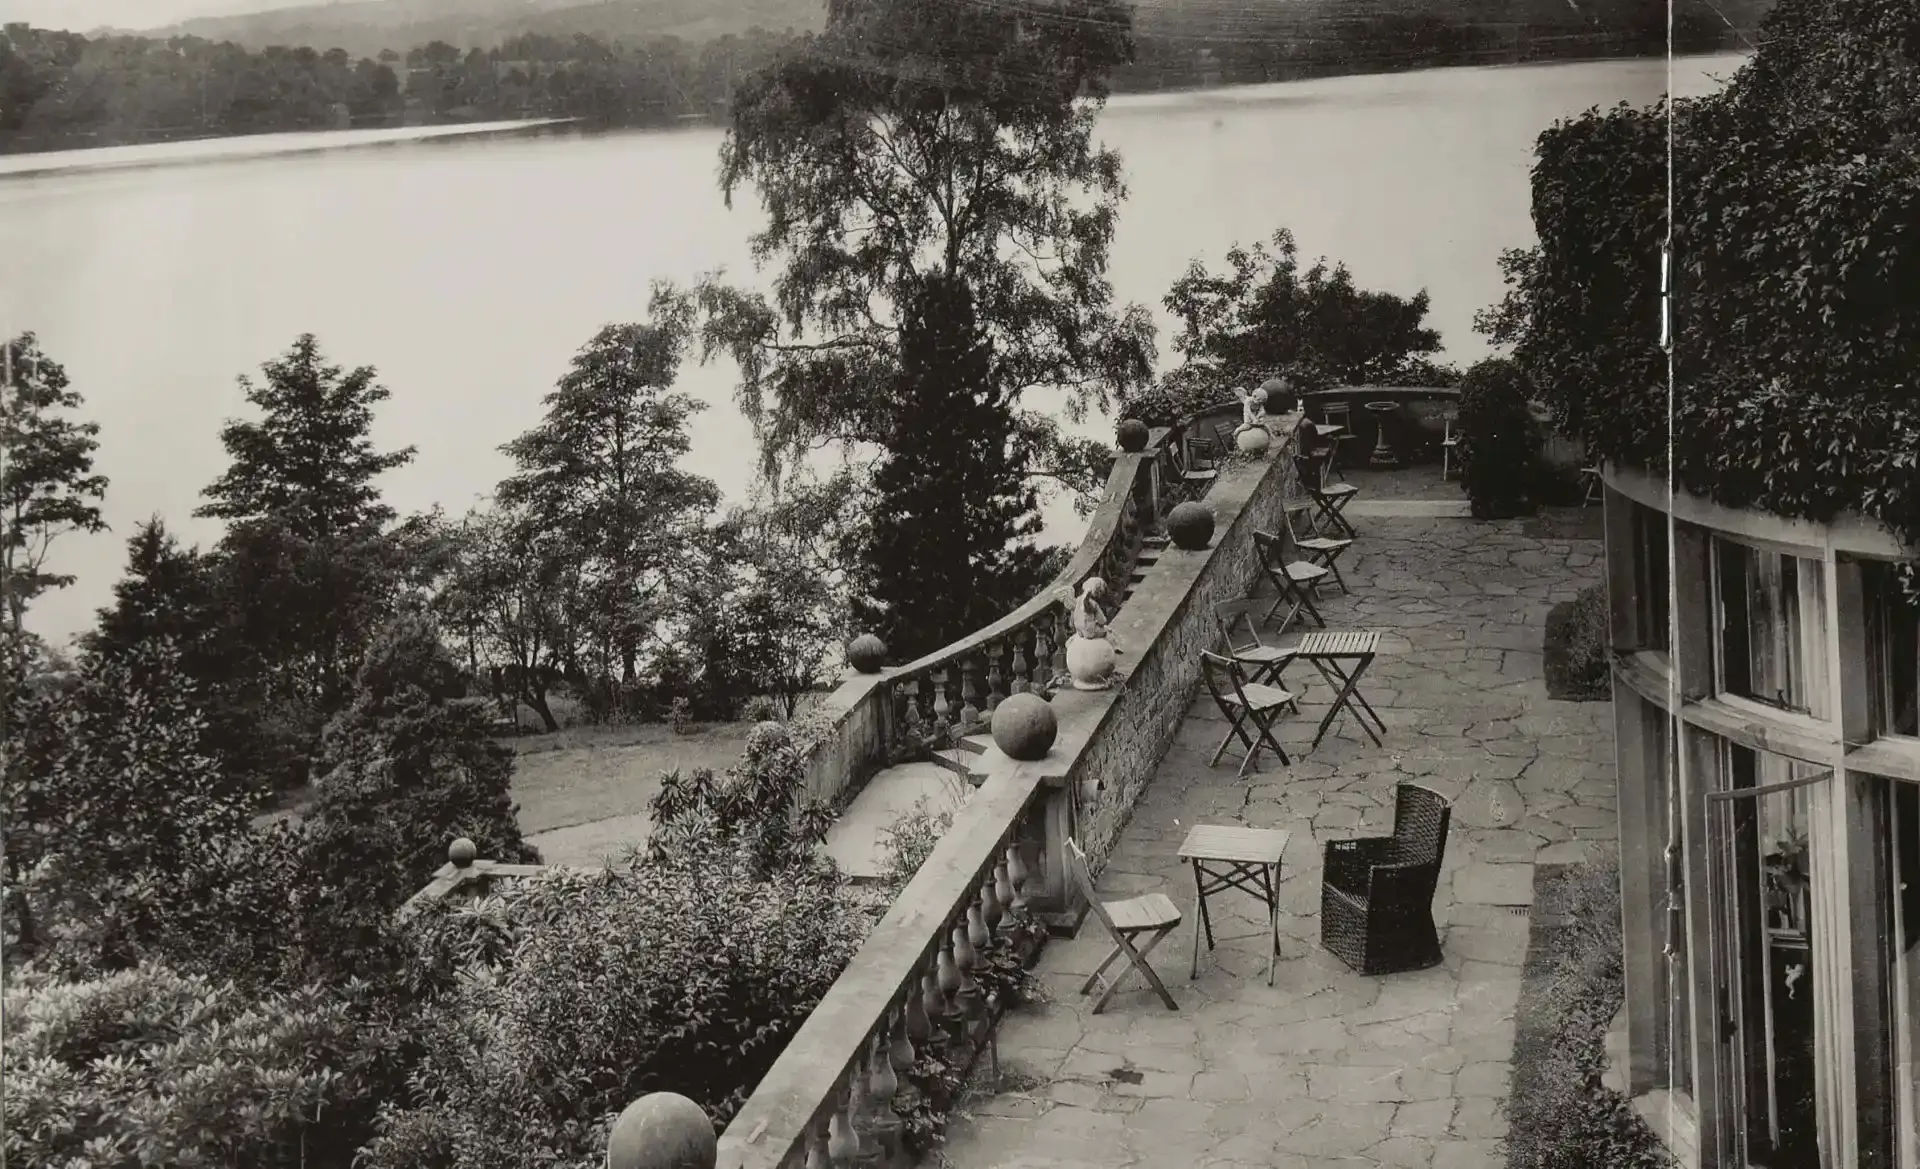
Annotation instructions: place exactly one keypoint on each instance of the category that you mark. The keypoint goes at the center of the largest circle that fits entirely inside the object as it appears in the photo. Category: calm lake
(469, 269)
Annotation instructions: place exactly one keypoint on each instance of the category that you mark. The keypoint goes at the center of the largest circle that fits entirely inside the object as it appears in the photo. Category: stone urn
(1091, 655)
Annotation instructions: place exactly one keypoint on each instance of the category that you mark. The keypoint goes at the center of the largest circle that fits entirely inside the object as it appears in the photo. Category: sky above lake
(82, 15)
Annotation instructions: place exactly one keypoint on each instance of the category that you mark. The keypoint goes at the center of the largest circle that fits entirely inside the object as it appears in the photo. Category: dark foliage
(1579, 648)
(1560, 1115)
(1264, 317)
(949, 549)
(1794, 324)
(1499, 447)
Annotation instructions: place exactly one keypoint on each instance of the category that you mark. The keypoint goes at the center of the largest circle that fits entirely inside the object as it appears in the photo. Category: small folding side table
(1328, 652)
(1227, 856)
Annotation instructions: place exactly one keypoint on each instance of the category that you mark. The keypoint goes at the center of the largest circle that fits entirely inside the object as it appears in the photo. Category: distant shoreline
(53, 161)
(236, 147)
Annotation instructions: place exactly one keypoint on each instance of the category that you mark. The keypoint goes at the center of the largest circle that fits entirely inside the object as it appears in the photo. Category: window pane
(1768, 866)
(1903, 933)
(1650, 576)
(1893, 639)
(1772, 637)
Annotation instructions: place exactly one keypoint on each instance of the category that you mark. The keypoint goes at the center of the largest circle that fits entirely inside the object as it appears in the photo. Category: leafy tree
(916, 139)
(774, 614)
(114, 811)
(408, 766)
(1499, 440)
(1264, 316)
(47, 484)
(307, 558)
(509, 597)
(599, 476)
(759, 812)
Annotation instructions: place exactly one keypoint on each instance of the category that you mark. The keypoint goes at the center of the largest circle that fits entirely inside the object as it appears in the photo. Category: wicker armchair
(1376, 899)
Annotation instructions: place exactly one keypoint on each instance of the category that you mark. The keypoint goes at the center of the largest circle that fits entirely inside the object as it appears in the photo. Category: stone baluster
(1062, 629)
(882, 1085)
(933, 996)
(952, 1013)
(970, 709)
(942, 709)
(665, 1130)
(1022, 664)
(817, 1155)
(1017, 877)
(979, 934)
(924, 691)
(996, 681)
(914, 1023)
(996, 894)
(963, 961)
(1043, 635)
(843, 1140)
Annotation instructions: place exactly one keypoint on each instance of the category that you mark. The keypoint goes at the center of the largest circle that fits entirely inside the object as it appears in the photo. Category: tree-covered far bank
(64, 90)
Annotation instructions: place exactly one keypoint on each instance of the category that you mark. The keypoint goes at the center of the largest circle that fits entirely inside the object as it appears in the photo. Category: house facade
(1767, 712)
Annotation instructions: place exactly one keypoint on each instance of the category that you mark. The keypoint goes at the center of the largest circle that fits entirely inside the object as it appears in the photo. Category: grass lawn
(583, 791)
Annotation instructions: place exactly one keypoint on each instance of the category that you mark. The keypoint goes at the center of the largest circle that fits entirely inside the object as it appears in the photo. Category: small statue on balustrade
(1091, 652)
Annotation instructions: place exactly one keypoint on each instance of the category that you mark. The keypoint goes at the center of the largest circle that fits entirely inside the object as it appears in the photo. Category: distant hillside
(364, 27)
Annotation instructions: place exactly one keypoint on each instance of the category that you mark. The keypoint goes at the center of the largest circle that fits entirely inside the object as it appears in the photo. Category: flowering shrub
(151, 1067)
(758, 811)
(585, 991)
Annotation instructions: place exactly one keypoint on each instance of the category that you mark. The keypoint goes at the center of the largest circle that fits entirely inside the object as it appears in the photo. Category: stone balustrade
(827, 1101)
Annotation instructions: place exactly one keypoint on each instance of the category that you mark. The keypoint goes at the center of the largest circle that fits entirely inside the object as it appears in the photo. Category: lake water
(468, 270)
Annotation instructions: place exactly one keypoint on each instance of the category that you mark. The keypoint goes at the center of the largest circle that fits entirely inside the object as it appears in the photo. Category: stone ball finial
(461, 852)
(662, 1130)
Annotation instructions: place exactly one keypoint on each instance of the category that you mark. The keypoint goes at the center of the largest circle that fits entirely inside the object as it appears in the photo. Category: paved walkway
(1327, 1068)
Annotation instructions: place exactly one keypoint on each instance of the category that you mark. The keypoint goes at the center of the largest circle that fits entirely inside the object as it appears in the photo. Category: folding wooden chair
(1293, 579)
(1337, 417)
(1331, 500)
(1193, 463)
(1449, 443)
(1267, 660)
(1321, 550)
(1154, 914)
(1243, 701)
(1591, 485)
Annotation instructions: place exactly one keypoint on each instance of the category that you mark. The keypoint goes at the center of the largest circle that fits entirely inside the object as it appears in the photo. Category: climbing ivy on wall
(1796, 222)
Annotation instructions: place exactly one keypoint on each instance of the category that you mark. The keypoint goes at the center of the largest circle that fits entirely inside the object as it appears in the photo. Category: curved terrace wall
(1010, 832)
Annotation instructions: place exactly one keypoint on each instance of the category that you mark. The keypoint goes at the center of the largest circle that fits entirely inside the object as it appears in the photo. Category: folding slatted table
(1328, 652)
(1227, 856)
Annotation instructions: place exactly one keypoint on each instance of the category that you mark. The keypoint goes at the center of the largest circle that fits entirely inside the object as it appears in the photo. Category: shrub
(1560, 1115)
(151, 1067)
(1794, 326)
(1499, 441)
(1579, 653)
(688, 979)
(909, 841)
(761, 708)
(680, 715)
(758, 811)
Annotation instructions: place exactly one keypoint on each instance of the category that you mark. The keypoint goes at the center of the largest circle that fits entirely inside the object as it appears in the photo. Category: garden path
(1328, 1068)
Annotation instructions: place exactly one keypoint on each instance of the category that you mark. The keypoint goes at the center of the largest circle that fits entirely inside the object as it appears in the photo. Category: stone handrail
(953, 690)
(826, 1102)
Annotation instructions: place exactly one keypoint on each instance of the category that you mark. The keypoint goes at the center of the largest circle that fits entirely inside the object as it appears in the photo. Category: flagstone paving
(1327, 1068)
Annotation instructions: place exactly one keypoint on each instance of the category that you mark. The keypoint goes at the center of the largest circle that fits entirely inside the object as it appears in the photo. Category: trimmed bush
(1499, 442)
(1560, 1116)
(1578, 650)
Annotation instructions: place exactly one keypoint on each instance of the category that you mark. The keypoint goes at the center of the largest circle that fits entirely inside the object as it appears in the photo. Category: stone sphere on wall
(1133, 435)
(1024, 727)
(461, 852)
(662, 1130)
(867, 654)
(1190, 525)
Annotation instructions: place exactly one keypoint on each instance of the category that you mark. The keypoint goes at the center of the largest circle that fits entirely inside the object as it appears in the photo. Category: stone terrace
(1328, 1068)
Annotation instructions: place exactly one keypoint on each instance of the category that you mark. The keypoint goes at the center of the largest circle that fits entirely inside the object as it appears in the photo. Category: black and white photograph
(959, 584)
